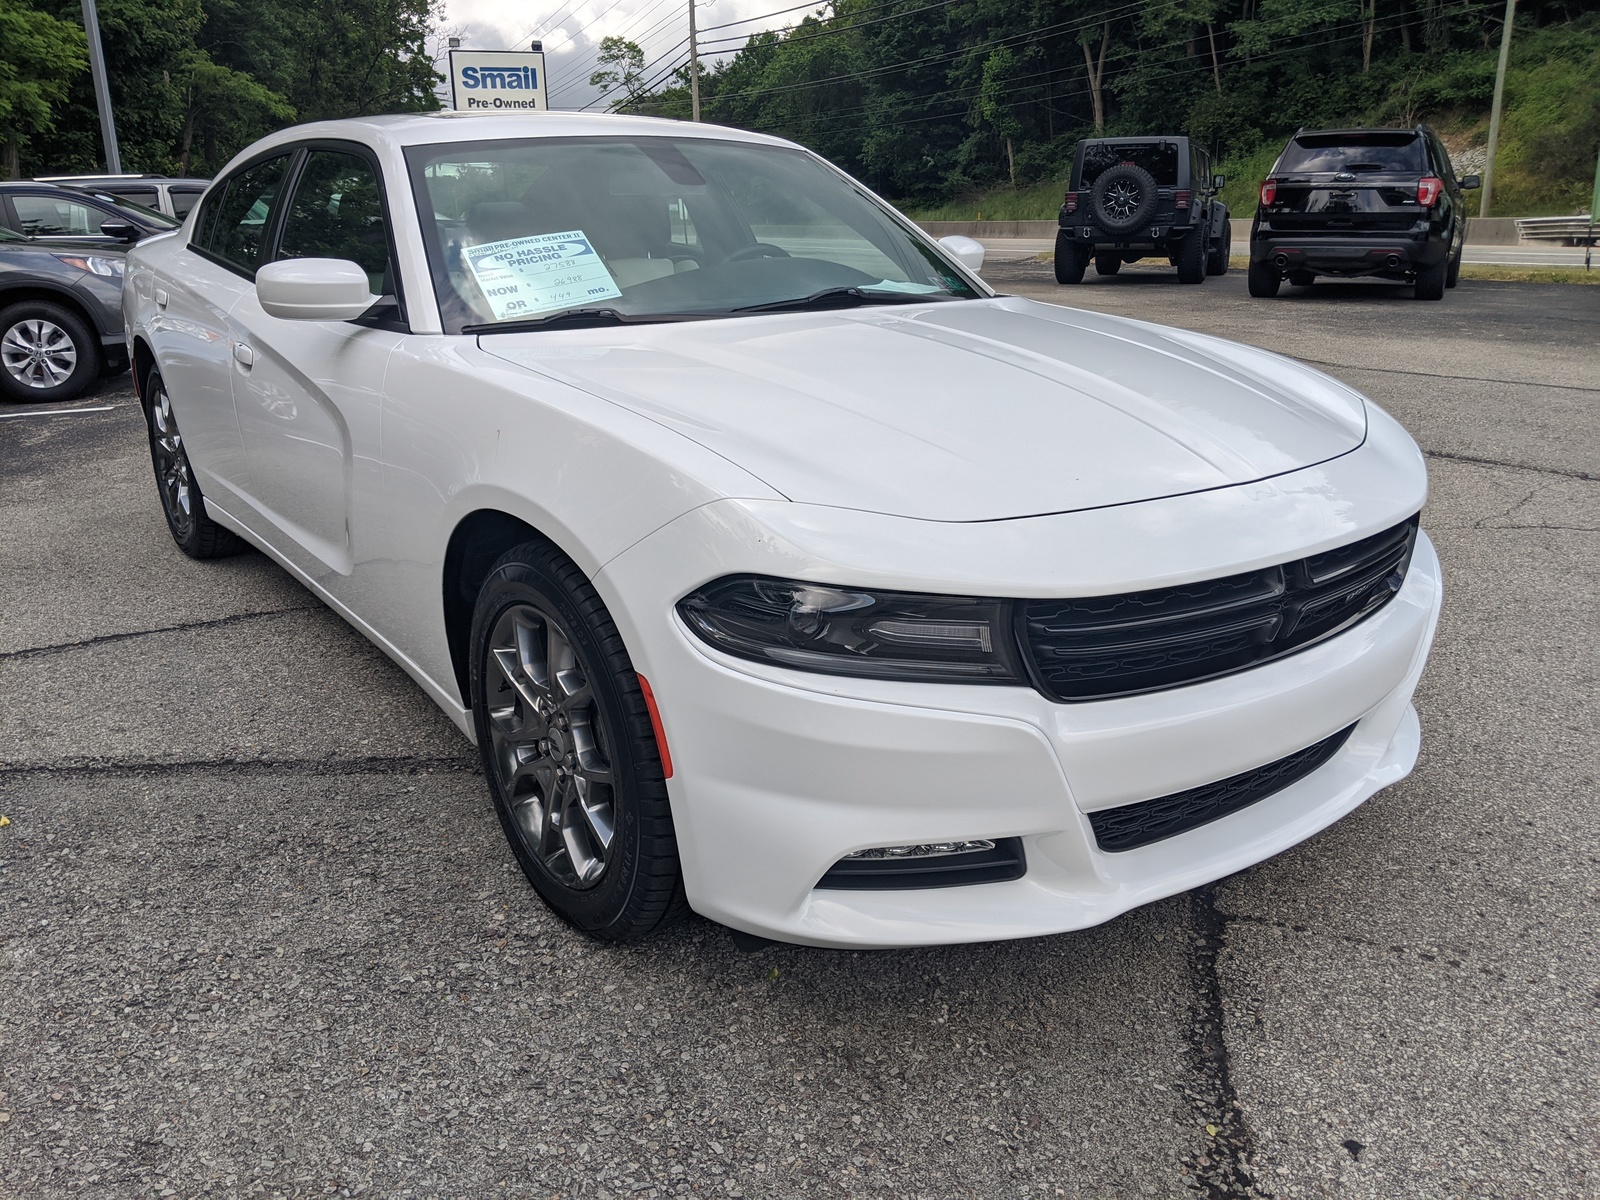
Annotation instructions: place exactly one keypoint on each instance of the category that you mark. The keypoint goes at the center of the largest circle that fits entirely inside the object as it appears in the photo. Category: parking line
(57, 412)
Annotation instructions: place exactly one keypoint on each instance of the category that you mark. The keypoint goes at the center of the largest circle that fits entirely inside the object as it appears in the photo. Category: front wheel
(1264, 280)
(1192, 258)
(1071, 262)
(569, 749)
(47, 353)
(1453, 275)
(1217, 258)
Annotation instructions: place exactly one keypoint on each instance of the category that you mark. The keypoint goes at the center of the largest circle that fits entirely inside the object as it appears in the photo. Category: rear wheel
(47, 353)
(1071, 261)
(192, 528)
(1430, 281)
(1264, 280)
(1107, 264)
(1192, 258)
(569, 749)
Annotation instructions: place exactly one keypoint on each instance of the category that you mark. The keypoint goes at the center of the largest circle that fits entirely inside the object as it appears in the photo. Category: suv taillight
(1428, 189)
(1071, 202)
(1182, 199)
(1269, 191)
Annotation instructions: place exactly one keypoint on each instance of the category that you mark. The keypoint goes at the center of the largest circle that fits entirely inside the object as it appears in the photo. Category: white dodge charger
(779, 567)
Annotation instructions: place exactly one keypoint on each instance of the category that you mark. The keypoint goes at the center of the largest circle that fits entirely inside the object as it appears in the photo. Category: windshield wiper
(579, 318)
(842, 297)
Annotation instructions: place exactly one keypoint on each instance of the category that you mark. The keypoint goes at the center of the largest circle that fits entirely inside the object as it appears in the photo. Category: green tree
(39, 56)
(621, 64)
(993, 108)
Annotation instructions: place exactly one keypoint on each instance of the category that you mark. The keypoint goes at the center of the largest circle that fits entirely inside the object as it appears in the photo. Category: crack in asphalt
(371, 764)
(1564, 387)
(1475, 461)
(1225, 1171)
(181, 627)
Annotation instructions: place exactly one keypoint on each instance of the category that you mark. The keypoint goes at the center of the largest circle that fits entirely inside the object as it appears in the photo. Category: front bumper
(781, 773)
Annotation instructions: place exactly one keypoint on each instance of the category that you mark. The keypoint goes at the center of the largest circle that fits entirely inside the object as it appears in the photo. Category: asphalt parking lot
(262, 936)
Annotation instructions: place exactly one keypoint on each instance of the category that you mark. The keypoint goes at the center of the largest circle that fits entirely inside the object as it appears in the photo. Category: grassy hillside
(1548, 139)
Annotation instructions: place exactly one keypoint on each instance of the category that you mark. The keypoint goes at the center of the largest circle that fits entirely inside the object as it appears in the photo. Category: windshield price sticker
(528, 275)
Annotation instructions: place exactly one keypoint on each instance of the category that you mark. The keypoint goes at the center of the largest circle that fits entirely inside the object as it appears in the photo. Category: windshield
(1389, 152)
(655, 228)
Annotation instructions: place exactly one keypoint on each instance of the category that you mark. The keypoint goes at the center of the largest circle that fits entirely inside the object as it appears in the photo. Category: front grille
(1097, 647)
(1134, 825)
(1002, 862)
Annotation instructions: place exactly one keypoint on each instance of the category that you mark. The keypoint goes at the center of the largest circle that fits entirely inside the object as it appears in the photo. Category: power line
(590, 56)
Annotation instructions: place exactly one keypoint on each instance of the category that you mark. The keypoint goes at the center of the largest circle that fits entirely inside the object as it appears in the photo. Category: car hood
(971, 411)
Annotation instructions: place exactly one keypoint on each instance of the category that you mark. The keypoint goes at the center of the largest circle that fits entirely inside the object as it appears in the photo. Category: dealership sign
(497, 80)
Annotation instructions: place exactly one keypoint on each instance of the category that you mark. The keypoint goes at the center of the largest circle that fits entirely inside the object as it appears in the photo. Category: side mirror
(120, 230)
(1468, 182)
(1218, 182)
(968, 251)
(314, 289)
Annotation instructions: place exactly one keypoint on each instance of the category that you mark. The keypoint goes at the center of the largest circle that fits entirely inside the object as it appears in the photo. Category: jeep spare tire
(1124, 198)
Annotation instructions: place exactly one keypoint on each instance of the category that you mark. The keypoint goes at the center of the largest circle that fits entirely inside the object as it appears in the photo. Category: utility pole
(1494, 112)
(694, 64)
(102, 91)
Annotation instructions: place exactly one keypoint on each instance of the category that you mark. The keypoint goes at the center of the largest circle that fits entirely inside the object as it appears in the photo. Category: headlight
(850, 631)
(94, 264)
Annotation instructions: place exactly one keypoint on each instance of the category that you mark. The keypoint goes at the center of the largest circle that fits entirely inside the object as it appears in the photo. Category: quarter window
(243, 214)
(337, 212)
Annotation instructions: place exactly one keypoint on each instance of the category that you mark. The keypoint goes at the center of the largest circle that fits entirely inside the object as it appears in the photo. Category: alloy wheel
(38, 353)
(1122, 199)
(173, 475)
(549, 746)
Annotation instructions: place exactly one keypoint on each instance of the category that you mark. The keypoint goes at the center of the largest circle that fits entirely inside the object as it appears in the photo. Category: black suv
(1350, 202)
(1133, 198)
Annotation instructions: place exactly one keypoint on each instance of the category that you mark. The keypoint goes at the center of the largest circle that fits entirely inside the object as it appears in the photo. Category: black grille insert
(1133, 825)
(1005, 861)
(1097, 647)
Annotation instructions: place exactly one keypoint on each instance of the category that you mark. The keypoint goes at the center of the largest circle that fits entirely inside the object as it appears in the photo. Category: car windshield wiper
(578, 318)
(842, 297)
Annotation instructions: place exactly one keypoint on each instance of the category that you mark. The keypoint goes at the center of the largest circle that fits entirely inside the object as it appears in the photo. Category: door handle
(243, 355)
(161, 297)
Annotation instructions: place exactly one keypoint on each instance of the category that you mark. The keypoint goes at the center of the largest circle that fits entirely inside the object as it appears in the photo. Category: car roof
(1365, 131)
(1122, 141)
(421, 129)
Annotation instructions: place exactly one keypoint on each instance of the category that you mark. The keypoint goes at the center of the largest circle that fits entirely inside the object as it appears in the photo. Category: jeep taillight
(1269, 191)
(1182, 199)
(1428, 189)
(1071, 202)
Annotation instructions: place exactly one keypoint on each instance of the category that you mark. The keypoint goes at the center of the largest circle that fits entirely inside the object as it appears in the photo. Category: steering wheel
(757, 250)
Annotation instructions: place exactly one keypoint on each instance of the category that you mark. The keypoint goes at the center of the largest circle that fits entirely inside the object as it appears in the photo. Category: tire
(1453, 275)
(1301, 278)
(1123, 198)
(47, 353)
(1192, 258)
(1217, 258)
(196, 534)
(1107, 264)
(1071, 262)
(1264, 280)
(1430, 281)
(569, 749)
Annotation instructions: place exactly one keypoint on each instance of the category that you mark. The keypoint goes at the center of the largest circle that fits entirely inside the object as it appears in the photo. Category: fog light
(925, 849)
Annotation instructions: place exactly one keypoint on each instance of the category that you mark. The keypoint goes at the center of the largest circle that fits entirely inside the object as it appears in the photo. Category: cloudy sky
(571, 32)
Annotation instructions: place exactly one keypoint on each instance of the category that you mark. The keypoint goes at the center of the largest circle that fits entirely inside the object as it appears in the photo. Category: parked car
(1349, 202)
(1133, 198)
(63, 214)
(174, 197)
(778, 567)
(60, 318)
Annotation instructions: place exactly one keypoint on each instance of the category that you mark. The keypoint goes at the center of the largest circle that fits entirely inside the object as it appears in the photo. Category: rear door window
(1159, 158)
(183, 200)
(1358, 153)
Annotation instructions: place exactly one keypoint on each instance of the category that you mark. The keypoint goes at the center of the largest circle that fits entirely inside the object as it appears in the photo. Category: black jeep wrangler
(1133, 198)
(1346, 202)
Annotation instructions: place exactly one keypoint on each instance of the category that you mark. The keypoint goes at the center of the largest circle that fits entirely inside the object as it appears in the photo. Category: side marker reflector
(655, 723)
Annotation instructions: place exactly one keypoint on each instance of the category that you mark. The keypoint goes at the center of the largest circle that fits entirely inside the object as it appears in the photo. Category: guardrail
(1569, 231)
